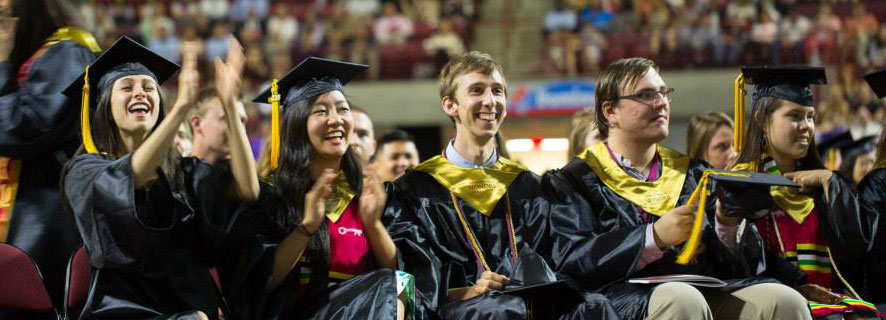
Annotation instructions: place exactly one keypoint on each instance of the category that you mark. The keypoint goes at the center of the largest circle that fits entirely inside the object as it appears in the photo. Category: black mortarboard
(858, 147)
(747, 192)
(784, 82)
(829, 147)
(310, 78)
(877, 81)
(124, 58)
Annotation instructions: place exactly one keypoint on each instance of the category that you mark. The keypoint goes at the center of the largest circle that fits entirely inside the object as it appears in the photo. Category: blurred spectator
(214, 9)
(154, 20)
(282, 26)
(822, 42)
(185, 8)
(165, 43)
(594, 14)
(395, 154)
(124, 16)
(313, 31)
(742, 12)
(858, 30)
(876, 51)
(250, 30)
(217, 45)
(764, 36)
(392, 27)
(427, 11)
(710, 138)
(463, 9)
(280, 63)
(794, 30)
(242, 9)
(256, 70)
(360, 8)
(593, 43)
(583, 134)
(560, 18)
(443, 44)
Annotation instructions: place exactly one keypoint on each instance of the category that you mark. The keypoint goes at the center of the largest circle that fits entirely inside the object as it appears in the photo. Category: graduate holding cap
(627, 208)
(334, 259)
(138, 208)
(815, 225)
(872, 198)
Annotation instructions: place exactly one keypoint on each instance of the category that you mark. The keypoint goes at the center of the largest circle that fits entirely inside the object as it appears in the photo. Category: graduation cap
(310, 78)
(828, 148)
(747, 193)
(859, 147)
(124, 58)
(877, 81)
(790, 83)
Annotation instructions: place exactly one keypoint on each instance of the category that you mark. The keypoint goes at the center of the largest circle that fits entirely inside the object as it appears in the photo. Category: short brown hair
(473, 61)
(203, 99)
(701, 130)
(623, 73)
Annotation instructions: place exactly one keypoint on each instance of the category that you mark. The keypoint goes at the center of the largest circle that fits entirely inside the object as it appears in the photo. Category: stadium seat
(77, 283)
(22, 293)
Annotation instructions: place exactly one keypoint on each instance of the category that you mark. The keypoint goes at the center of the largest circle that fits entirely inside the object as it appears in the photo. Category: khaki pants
(765, 301)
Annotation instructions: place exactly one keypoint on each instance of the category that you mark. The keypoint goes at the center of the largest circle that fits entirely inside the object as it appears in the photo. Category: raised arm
(227, 81)
(372, 204)
(148, 157)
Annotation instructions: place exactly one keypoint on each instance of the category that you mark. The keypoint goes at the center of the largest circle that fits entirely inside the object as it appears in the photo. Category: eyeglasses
(650, 96)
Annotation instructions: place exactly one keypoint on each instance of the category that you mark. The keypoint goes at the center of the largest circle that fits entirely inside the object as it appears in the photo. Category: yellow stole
(10, 168)
(796, 204)
(657, 197)
(341, 197)
(480, 187)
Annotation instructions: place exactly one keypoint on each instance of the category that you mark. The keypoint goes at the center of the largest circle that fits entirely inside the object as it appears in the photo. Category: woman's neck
(785, 163)
(130, 141)
(321, 163)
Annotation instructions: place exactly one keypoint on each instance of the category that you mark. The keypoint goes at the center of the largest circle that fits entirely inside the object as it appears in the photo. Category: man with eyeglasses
(620, 212)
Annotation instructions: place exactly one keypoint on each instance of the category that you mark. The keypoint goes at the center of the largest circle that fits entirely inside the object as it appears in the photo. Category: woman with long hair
(334, 258)
(817, 227)
(141, 211)
(42, 49)
(710, 139)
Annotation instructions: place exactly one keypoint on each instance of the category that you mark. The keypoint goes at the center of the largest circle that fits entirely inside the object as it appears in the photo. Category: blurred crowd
(582, 35)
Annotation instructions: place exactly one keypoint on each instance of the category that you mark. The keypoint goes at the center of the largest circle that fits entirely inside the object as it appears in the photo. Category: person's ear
(609, 108)
(450, 107)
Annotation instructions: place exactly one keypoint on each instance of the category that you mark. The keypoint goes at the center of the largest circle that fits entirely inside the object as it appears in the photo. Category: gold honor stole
(797, 205)
(656, 197)
(10, 168)
(480, 187)
(341, 197)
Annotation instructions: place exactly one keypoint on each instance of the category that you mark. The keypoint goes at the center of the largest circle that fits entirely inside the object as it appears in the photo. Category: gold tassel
(832, 159)
(86, 131)
(700, 194)
(274, 99)
(738, 113)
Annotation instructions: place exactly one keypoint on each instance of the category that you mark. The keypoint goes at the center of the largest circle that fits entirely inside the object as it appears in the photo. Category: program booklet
(692, 279)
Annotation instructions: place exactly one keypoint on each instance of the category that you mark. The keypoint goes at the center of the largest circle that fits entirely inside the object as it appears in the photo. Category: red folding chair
(22, 293)
(77, 283)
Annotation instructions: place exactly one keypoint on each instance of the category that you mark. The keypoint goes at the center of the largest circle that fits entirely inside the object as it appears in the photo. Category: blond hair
(701, 130)
(582, 124)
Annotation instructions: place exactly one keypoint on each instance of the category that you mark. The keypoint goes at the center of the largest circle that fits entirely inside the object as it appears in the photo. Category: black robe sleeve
(103, 198)
(38, 116)
(232, 236)
(414, 253)
(872, 199)
(848, 229)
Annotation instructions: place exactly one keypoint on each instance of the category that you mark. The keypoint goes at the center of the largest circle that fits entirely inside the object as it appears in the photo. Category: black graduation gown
(151, 250)
(371, 295)
(599, 238)
(38, 127)
(872, 198)
(432, 245)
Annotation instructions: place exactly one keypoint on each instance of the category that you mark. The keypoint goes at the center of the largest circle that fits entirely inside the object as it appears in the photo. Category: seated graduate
(470, 223)
(816, 227)
(619, 211)
(132, 198)
(334, 258)
(872, 198)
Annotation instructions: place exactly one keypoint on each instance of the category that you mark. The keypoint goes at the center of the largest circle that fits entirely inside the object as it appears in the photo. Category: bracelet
(304, 231)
